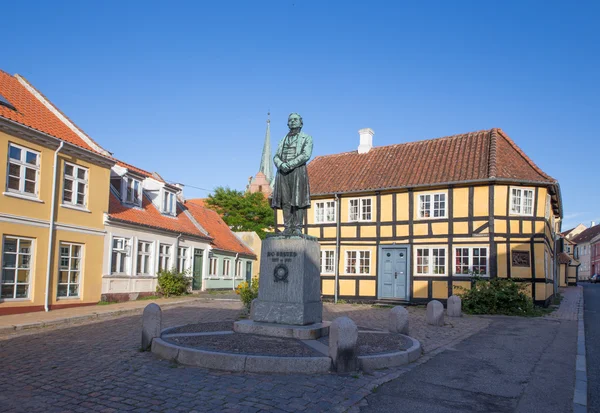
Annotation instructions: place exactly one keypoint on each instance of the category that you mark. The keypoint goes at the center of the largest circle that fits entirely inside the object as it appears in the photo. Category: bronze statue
(292, 191)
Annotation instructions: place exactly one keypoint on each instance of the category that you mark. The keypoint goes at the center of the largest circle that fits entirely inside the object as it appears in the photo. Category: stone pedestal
(290, 281)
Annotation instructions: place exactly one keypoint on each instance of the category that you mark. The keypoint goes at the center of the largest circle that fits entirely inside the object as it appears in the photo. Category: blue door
(393, 273)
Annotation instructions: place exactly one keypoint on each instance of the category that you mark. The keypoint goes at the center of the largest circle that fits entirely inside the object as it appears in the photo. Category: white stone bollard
(151, 325)
(435, 313)
(454, 306)
(343, 335)
(398, 320)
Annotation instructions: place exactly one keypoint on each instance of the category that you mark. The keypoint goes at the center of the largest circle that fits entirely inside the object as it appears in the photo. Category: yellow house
(52, 204)
(413, 222)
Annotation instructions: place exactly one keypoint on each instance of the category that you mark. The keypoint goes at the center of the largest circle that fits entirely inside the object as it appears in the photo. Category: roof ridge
(523, 155)
(492, 166)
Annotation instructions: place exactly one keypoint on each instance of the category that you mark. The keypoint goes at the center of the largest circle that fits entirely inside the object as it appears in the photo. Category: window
(182, 259)
(358, 262)
(16, 267)
(69, 272)
(324, 212)
(359, 209)
(120, 252)
(568, 249)
(431, 261)
(470, 260)
(75, 185)
(169, 203)
(144, 258)
(226, 267)
(521, 201)
(238, 268)
(212, 269)
(432, 206)
(164, 257)
(327, 262)
(133, 191)
(23, 170)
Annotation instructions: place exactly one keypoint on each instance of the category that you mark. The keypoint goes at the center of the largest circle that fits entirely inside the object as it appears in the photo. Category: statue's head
(295, 121)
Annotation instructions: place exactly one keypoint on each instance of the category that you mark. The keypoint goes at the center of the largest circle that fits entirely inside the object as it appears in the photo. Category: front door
(248, 271)
(197, 280)
(393, 273)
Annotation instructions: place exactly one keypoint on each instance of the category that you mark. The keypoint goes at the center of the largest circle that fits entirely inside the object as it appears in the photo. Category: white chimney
(366, 140)
(180, 196)
(593, 223)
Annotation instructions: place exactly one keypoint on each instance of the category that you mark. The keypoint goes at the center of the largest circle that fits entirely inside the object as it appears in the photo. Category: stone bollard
(435, 313)
(454, 306)
(251, 315)
(343, 335)
(151, 325)
(398, 320)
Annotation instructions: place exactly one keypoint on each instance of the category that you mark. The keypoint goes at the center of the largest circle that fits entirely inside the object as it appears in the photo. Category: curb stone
(580, 391)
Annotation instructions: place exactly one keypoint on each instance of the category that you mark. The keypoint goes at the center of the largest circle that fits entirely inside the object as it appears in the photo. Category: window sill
(76, 208)
(430, 218)
(360, 220)
(22, 196)
(514, 214)
(14, 300)
(473, 275)
(68, 298)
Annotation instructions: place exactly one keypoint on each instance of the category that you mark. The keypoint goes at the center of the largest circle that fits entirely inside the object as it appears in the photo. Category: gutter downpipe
(337, 247)
(237, 254)
(51, 229)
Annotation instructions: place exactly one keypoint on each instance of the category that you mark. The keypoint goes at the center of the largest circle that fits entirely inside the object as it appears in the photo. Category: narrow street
(591, 295)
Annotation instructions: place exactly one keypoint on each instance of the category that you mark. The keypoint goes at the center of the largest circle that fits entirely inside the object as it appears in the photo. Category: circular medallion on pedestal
(281, 273)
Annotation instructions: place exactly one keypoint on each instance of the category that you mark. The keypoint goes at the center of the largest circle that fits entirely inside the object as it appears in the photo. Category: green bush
(497, 296)
(247, 292)
(171, 282)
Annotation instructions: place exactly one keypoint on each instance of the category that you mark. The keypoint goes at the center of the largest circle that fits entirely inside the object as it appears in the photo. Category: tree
(242, 211)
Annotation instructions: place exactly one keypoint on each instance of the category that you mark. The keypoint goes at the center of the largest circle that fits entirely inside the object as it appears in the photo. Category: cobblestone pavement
(572, 296)
(98, 367)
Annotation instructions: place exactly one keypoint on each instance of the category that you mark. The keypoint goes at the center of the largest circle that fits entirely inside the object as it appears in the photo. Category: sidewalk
(41, 319)
(569, 306)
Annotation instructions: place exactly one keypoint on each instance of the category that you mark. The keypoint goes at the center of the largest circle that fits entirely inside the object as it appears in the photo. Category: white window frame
(164, 256)
(183, 259)
(361, 259)
(169, 204)
(324, 259)
(17, 267)
(431, 260)
(23, 166)
(238, 269)
(359, 215)
(123, 250)
(226, 268)
(69, 270)
(213, 267)
(129, 183)
(431, 209)
(518, 208)
(144, 269)
(471, 259)
(325, 212)
(75, 181)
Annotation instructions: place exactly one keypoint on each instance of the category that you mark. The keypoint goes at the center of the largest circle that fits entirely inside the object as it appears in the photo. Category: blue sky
(183, 88)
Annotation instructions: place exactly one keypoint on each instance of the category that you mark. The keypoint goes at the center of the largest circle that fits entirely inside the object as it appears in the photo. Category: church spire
(266, 162)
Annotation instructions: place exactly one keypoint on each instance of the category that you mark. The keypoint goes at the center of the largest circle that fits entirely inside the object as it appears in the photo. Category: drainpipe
(237, 254)
(337, 247)
(51, 229)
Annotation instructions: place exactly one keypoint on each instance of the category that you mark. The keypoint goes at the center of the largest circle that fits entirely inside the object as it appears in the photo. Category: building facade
(584, 251)
(414, 222)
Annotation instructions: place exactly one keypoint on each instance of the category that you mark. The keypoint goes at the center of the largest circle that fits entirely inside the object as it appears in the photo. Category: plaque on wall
(520, 259)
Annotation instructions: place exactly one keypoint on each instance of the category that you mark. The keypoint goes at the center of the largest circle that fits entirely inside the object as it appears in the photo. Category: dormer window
(133, 191)
(169, 203)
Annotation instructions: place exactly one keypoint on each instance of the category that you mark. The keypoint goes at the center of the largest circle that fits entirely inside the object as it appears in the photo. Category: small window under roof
(5, 102)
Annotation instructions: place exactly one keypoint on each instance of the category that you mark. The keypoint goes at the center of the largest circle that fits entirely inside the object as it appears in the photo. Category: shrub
(172, 282)
(497, 296)
(247, 292)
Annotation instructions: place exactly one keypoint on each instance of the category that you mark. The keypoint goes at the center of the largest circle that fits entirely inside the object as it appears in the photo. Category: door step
(386, 302)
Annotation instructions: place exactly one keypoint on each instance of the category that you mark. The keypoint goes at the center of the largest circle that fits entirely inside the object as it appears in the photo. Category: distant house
(584, 251)
(567, 263)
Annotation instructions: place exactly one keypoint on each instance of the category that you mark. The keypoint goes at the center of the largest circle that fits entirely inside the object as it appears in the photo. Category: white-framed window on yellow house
(164, 257)
(327, 261)
(359, 209)
(213, 265)
(182, 259)
(430, 261)
(133, 191)
(521, 201)
(358, 262)
(17, 256)
(226, 268)
(324, 211)
(120, 255)
(144, 258)
(432, 205)
(471, 261)
(75, 185)
(69, 270)
(23, 170)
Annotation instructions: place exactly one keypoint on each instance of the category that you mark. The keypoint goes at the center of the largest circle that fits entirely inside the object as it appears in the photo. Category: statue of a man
(292, 191)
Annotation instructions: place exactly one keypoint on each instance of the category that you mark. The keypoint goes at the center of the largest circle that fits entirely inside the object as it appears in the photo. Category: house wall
(584, 256)
(595, 257)
(477, 216)
(219, 281)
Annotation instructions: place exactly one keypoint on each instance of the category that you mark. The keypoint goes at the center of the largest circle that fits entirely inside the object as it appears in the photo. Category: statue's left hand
(284, 167)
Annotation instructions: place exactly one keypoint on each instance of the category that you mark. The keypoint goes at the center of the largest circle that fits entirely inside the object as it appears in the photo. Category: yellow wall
(500, 195)
(461, 202)
(386, 208)
(402, 206)
(440, 289)
(481, 201)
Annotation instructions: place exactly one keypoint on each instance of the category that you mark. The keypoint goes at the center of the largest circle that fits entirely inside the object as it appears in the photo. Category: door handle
(396, 275)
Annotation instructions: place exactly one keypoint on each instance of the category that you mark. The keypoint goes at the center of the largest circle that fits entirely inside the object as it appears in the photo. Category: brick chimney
(366, 140)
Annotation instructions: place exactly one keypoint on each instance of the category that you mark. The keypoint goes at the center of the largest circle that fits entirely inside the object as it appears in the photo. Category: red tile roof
(224, 238)
(587, 235)
(482, 155)
(31, 112)
(564, 258)
(139, 171)
(149, 216)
